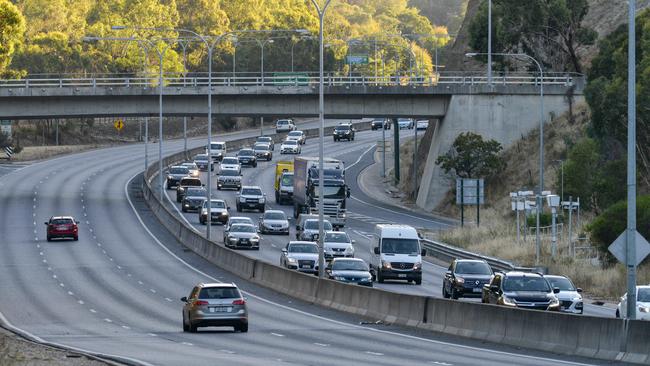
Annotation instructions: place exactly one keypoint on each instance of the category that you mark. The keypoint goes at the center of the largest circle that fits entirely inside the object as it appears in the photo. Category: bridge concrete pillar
(504, 118)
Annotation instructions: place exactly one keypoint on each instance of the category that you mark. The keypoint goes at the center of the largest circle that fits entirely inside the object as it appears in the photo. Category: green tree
(472, 157)
(12, 29)
(549, 30)
(612, 222)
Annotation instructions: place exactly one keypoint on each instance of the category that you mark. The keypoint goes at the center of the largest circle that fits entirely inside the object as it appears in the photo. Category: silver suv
(252, 198)
(215, 305)
(310, 228)
(229, 178)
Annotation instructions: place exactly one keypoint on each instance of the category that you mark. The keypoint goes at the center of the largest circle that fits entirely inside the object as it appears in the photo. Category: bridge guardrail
(302, 79)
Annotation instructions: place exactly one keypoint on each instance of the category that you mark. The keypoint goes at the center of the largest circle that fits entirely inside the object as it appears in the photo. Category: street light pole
(630, 234)
(321, 117)
(489, 47)
(538, 204)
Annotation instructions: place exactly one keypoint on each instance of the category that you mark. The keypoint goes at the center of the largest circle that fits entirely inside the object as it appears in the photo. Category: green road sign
(357, 59)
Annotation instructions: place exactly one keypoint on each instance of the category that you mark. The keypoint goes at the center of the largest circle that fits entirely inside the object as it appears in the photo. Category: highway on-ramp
(116, 291)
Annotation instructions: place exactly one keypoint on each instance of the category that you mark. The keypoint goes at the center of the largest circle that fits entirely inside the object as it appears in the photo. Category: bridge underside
(289, 105)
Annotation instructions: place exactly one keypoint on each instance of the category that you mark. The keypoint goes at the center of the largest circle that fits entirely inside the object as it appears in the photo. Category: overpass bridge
(460, 102)
(346, 97)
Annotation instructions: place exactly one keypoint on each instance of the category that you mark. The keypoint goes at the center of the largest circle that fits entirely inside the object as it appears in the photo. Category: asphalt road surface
(116, 291)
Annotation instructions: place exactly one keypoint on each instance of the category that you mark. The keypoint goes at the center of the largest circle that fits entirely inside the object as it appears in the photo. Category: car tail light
(200, 302)
(239, 302)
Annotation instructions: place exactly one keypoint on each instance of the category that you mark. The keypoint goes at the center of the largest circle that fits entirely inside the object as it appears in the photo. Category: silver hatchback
(215, 305)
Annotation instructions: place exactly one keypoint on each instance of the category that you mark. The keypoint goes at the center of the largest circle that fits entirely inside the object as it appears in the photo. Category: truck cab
(397, 253)
(283, 182)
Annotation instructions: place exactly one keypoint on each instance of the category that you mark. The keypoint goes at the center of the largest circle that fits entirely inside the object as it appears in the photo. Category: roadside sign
(357, 59)
(9, 151)
(5, 127)
(618, 248)
(119, 124)
(469, 191)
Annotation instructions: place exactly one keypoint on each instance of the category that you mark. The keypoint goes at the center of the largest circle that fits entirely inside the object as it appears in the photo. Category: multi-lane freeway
(116, 291)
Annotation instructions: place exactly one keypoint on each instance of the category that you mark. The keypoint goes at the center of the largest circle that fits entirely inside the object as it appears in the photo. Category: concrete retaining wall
(609, 339)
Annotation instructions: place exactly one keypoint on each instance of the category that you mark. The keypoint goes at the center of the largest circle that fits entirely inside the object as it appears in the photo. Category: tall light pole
(161, 55)
(262, 43)
(538, 204)
(184, 45)
(489, 47)
(630, 234)
(321, 117)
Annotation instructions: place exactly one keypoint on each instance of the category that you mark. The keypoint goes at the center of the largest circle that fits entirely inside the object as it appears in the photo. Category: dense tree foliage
(472, 157)
(549, 30)
(606, 93)
(55, 29)
(12, 28)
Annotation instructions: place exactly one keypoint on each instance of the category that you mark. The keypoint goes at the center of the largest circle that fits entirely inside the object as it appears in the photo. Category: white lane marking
(70, 293)
(322, 344)
(181, 214)
(126, 327)
(152, 290)
(62, 285)
(54, 276)
(80, 302)
(187, 343)
(374, 353)
(152, 335)
(168, 299)
(226, 351)
(93, 311)
(277, 334)
(314, 316)
(441, 363)
(107, 320)
(140, 282)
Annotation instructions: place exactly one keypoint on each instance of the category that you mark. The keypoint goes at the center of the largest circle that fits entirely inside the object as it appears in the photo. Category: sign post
(119, 124)
(5, 127)
(469, 192)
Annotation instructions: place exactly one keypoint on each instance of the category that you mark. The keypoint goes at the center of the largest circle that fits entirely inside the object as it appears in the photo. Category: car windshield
(295, 133)
(343, 265)
(264, 139)
(239, 228)
(251, 192)
(330, 191)
(342, 128)
(562, 283)
(643, 295)
(303, 248)
(217, 146)
(291, 142)
(261, 147)
(229, 161)
(240, 220)
(179, 170)
(61, 221)
(287, 180)
(189, 165)
(219, 293)
(196, 192)
(247, 152)
(229, 172)
(274, 216)
(400, 246)
(313, 225)
(525, 283)
(337, 238)
(201, 157)
(283, 122)
(215, 204)
(473, 268)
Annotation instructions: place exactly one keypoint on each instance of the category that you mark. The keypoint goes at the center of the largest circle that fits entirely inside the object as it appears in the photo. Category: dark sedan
(350, 270)
(247, 157)
(465, 278)
(193, 199)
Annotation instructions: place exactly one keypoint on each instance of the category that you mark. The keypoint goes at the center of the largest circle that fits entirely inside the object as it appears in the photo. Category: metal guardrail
(448, 253)
(303, 79)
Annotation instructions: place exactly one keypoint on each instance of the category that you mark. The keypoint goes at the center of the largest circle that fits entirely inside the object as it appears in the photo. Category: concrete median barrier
(638, 342)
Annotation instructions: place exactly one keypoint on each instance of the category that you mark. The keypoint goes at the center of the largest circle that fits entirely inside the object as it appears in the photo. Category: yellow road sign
(119, 124)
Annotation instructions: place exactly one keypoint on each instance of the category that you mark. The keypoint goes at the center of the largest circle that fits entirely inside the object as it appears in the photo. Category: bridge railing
(287, 79)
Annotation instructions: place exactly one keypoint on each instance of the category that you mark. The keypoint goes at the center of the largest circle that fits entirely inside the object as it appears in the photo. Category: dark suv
(378, 123)
(465, 278)
(343, 132)
(521, 290)
(247, 157)
(183, 184)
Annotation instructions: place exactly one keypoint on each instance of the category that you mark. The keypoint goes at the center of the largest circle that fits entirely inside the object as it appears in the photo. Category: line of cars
(402, 123)
(475, 278)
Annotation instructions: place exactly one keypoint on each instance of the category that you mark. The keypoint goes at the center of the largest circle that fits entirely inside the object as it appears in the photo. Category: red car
(62, 227)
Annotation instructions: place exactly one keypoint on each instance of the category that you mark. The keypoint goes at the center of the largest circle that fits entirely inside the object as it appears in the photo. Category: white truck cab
(217, 150)
(397, 253)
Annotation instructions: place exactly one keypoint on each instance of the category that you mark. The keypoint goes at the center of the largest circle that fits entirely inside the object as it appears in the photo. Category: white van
(397, 254)
(217, 150)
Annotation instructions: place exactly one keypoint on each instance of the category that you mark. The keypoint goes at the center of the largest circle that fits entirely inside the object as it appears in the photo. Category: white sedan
(642, 304)
(230, 162)
(290, 147)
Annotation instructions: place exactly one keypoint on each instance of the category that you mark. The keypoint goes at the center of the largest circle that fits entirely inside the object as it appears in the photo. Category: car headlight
(417, 265)
(644, 309)
(458, 279)
(339, 278)
(292, 260)
(386, 265)
(579, 298)
(204, 212)
(170, 177)
(232, 240)
(242, 199)
(554, 302)
(349, 250)
(366, 279)
(262, 200)
(255, 239)
(508, 301)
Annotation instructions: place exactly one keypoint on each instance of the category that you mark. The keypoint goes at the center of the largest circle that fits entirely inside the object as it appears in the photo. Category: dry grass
(30, 153)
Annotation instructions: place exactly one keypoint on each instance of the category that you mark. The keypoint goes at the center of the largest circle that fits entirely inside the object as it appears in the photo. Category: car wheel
(238, 208)
(183, 209)
(277, 198)
(186, 328)
(243, 328)
(255, 165)
(263, 209)
(618, 314)
(380, 279)
(418, 281)
(49, 238)
(192, 327)
(218, 188)
(202, 222)
(444, 292)
(75, 238)
(454, 294)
